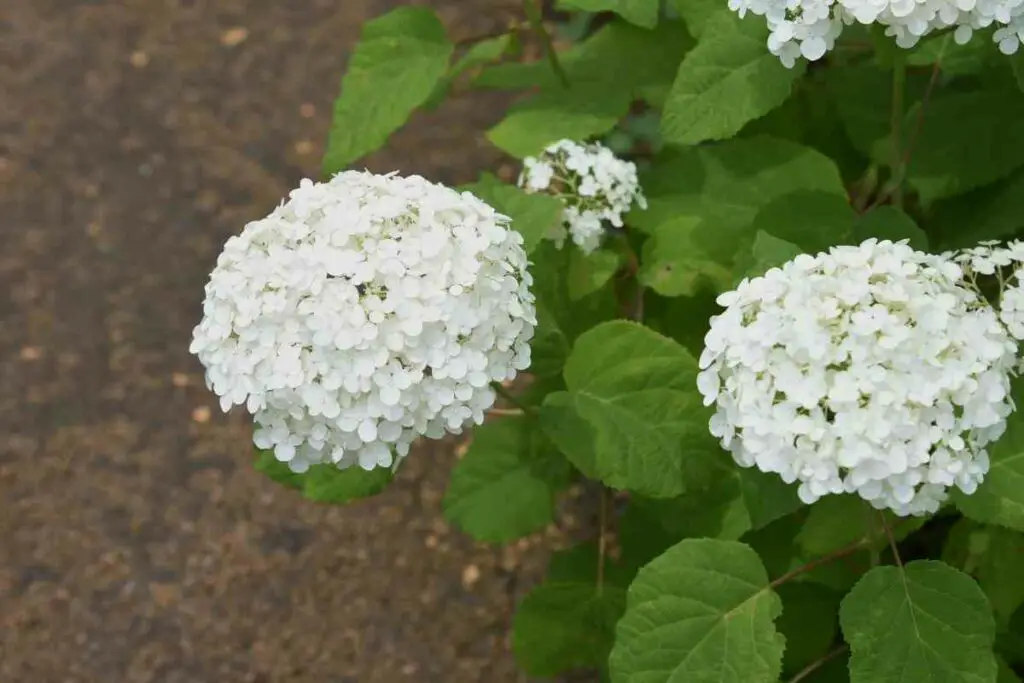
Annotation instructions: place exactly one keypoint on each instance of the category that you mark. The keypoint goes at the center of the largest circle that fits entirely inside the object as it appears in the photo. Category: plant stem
(819, 561)
(818, 663)
(500, 390)
(532, 8)
(872, 531)
(505, 412)
(899, 79)
(602, 537)
(892, 540)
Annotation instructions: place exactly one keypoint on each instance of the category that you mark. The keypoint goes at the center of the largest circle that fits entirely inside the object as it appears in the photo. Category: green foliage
(701, 611)
(727, 80)
(995, 557)
(533, 215)
(505, 485)
(405, 49)
(640, 12)
(922, 622)
(326, 483)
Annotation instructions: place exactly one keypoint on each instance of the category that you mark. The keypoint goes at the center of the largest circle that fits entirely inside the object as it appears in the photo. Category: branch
(536, 21)
(818, 663)
(500, 390)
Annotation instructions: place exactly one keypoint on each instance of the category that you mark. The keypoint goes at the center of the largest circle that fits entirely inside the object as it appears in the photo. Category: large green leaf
(1000, 498)
(812, 220)
(924, 622)
(636, 389)
(505, 485)
(326, 483)
(947, 161)
(995, 557)
(704, 202)
(838, 521)
(532, 215)
(398, 62)
(481, 53)
(728, 80)
(697, 13)
(889, 223)
(640, 12)
(702, 612)
(563, 626)
(992, 212)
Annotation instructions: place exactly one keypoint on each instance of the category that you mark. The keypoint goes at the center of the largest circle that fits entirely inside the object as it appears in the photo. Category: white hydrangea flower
(809, 28)
(865, 369)
(365, 312)
(593, 183)
(1004, 262)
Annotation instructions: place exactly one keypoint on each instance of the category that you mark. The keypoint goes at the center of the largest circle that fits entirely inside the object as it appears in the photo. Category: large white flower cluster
(809, 28)
(364, 312)
(865, 369)
(591, 181)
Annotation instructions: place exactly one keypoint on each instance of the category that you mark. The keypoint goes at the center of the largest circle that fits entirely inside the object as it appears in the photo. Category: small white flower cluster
(865, 369)
(362, 313)
(591, 181)
(809, 28)
(1006, 263)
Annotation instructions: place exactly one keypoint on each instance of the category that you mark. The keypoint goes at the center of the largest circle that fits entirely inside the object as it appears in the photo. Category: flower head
(865, 369)
(364, 312)
(593, 183)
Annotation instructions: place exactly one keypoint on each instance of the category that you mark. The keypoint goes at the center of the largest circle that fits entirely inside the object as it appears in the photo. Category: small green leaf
(925, 621)
(640, 12)
(398, 62)
(674, 265)
(769, 252)
(590, 272)
(838, 521)
(1000, 498)
(326, 483)
(702, 612)
(533, 215)
(505, 485)
(579, 564)
(728, 80)
(636, 388)
(563, 626)
(1006, 674)
(995, 557)
(766, 496)
(484, 52)
(988, 213)
(889, 223)
(576, 113)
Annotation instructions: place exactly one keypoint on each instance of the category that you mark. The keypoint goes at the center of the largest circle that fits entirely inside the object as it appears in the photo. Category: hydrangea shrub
(756, 280)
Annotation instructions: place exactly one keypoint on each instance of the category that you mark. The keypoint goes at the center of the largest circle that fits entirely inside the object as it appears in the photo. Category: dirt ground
(136, 544)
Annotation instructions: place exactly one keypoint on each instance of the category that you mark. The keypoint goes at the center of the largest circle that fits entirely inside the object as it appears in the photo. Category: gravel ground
(136, 544)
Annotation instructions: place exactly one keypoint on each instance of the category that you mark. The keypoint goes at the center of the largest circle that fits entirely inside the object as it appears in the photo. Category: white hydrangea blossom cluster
(809, 28)
(1005, 262)
(591, 181)
(364, 312)
(865, 369)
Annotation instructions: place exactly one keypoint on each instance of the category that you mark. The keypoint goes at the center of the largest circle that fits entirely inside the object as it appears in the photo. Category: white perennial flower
(364, 312)
(865, 369)
(809, 28)
(593, 183)
(1004, 263)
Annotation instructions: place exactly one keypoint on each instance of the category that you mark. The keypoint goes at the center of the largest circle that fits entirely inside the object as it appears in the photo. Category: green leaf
(640, 12)
(533, 215)
(810, 221)
(766, 496)
(579, 563)
(484, 52)
(617, 56)
(954, 59)
(769, 252)
(1000, 498)
(1017, 64)
(576, 113)
(995, 557)
(946, 162)
(590, 272)
(925, 621)
(398, 62)
(889, 223)
(326, 483)
(992, 212)
(636, 388)
(570, 433)
(703, 202)
(505, 485)
(563, 626)
(835, 522)
(728, 80)
(809, 622)
(1006, 674)
(697, 13)
(702, 612)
